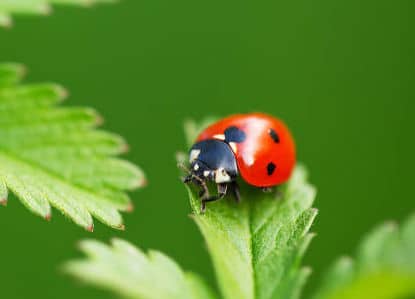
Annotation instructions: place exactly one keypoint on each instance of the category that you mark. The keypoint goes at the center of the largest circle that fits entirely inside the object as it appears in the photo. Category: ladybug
(255, 146)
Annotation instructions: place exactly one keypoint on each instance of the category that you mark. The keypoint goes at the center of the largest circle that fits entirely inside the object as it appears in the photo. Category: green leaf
(3, 193)
(256, 245)
(36, 7)
(11, 73)
(384, 267)
(51, 155)
(127, 271)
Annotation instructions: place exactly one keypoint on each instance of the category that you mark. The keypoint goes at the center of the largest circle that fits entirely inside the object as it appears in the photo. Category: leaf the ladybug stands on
(256, 245)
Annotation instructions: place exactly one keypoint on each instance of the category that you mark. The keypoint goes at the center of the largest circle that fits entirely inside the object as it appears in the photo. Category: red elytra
(266, 157)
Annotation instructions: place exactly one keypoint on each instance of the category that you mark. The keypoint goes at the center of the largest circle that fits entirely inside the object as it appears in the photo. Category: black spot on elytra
(274, 135)
(271, 168)
(234, 134)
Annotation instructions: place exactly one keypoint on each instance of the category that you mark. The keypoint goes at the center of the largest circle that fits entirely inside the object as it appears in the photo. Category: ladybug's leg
(198, 182)
(235, 190)
(222, 188)
(267, 189)
(204, 191)
(187, 179)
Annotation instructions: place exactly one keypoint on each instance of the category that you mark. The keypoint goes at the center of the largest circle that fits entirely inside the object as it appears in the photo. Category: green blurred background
(340, 73)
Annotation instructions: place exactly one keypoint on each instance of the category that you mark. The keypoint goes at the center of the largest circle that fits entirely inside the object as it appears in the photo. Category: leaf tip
(124, 148)
(121, 227)
(391, 225)
(62, 92)
(307, 270)
(345, 260)
(21, 70)
(88, 3)
(6, 21)
(141, 182)
(3, 202)
(90, 228)
(45, 9)
(99, 120)
(130, 207)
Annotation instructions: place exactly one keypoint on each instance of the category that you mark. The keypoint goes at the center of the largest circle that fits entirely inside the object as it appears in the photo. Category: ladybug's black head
(213, 160)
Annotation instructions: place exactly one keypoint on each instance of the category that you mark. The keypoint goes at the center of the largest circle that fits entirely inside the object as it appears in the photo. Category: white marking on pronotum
(219, 136)
(233, 146)
(194, 154)
(196, 167)
(206, 173)
(221, 176)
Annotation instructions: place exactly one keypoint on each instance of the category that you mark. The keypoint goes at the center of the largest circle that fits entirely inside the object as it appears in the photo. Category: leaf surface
(54, 156)
(131, 273)
(8, 8)
(384, 267)
(256, 245)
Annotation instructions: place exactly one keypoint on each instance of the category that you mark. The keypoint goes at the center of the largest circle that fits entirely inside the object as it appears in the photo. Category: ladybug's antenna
(189, 177)
(184, 168)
